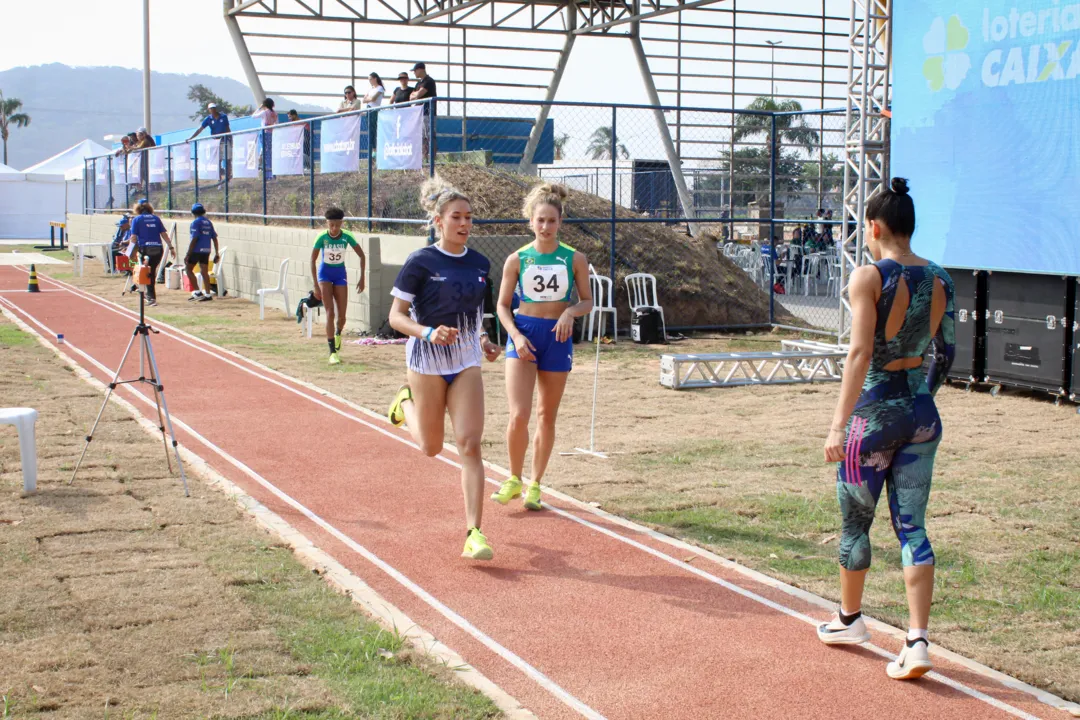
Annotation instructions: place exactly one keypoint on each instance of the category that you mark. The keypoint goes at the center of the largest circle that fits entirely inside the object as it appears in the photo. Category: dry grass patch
(122, 598)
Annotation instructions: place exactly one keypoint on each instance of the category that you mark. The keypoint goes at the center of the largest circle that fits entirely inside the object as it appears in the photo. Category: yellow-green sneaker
(334, 359)
(532, 497)
(337, 341)
(510, 489)
(476, 546)
(396, 413)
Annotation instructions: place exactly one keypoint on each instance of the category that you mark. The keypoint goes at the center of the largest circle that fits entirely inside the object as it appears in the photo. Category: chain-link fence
(731, 211)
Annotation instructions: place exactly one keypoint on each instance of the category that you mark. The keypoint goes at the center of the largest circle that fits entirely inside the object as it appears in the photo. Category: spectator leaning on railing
(268, 118)
(294, 116)
(373, 99)
(351, 101)
(403, 93)
(217, 121)
(425, 89)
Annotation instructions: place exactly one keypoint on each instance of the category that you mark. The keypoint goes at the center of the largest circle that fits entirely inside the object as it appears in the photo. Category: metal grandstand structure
(714, 54)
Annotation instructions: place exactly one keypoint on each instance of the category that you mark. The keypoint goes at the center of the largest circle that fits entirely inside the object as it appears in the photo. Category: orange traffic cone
(33, 280)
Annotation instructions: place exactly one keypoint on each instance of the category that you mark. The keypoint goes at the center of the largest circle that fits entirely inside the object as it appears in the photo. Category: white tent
(28, 201)
(70, 163)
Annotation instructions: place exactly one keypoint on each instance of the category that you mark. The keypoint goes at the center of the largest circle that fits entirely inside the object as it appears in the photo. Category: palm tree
(600, 145)
(9, 115)
(560, 145)
(791, 129)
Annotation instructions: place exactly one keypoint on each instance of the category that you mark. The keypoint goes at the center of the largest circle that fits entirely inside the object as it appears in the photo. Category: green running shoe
(334, 359)
(510, 489)
(532, 497)
(396, 414)
(476, 546)
(337, 341)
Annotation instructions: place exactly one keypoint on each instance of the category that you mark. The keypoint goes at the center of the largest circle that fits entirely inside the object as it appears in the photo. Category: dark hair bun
(899, 186)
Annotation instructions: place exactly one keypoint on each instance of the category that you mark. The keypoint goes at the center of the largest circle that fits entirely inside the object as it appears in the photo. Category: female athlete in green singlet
(540, 350)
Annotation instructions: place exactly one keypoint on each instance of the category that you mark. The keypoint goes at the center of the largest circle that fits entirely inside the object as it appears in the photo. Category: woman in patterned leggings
(886, 436)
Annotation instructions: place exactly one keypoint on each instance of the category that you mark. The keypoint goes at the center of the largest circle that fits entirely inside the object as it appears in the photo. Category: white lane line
(605, 531)
(540, 678)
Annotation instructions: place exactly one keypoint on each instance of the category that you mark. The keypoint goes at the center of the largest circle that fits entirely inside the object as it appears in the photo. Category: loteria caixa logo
(946, 63)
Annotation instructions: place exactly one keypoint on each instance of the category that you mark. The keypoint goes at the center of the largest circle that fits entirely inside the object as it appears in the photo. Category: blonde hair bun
(552, 194)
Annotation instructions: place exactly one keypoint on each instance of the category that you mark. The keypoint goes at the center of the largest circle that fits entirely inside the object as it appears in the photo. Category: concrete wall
(253, 255)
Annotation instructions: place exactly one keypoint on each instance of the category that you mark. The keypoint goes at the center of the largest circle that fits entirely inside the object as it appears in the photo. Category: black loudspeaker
(969, 304)
(1029, 330)
(645, 327)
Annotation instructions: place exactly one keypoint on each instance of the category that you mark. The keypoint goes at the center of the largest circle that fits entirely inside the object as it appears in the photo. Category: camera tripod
(146, 354)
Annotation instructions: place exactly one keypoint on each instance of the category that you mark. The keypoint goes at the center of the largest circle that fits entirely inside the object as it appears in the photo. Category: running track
(577, 615)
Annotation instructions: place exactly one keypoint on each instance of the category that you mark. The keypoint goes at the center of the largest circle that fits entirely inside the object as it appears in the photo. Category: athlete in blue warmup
(439, 304)
(149, 234)
(540, 352)
(203, 236)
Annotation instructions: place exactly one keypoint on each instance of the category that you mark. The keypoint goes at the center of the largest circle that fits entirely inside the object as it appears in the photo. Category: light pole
(772, 66)
(146, 66)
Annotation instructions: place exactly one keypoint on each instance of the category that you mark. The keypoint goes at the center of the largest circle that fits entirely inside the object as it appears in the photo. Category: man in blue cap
(203, 236)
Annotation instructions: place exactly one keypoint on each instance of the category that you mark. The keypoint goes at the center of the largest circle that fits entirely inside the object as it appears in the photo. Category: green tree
(560, 145)
(203, 96)
(10, 116)
(600, 145)
(831, 173)
(791, 129)
(749, 170)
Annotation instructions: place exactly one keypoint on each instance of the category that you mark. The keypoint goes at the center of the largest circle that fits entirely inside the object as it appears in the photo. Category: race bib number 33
(545, 283)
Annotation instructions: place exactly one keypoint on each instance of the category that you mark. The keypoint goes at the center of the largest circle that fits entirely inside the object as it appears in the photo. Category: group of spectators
(373, 98)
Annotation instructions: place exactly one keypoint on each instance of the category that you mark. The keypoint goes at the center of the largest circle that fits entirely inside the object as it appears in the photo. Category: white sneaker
(837, 633)
(913, 662)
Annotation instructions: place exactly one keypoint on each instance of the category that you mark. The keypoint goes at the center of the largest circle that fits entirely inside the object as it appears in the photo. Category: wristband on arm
(428, 332)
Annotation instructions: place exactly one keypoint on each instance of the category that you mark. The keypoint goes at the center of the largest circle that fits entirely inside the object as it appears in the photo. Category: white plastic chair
(216, 274)
(281, 289)
(834, 280)
(641, 289)
(603, 295)
(24, 419)
(309, 314)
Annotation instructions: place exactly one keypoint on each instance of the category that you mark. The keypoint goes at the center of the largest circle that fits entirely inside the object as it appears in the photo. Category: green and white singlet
(334, 248)
(545, 277)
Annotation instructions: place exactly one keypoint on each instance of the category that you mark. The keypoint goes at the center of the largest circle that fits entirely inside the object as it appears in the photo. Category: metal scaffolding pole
(527, 167)
(866, 133)
(662, 127)
(242, 52)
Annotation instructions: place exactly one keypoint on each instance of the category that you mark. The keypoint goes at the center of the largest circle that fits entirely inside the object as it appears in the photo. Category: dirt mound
(697, 285)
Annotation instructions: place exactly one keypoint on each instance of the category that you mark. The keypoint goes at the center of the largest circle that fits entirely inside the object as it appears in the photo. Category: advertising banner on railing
(181, 162)
(134, 167)
(287, 150)
(401, 135)
(246, 156)
(101, 170)
(209, 160)
(340, 145)
(158, 158)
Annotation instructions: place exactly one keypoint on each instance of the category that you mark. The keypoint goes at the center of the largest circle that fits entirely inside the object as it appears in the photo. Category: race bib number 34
(545, 283)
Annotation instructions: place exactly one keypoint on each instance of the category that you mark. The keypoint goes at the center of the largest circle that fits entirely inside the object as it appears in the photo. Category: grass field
(123, 599)
(741, 472)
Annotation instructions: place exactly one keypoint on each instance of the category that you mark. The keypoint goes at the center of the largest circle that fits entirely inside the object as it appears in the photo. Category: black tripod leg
(104, 404)
(163, 409)
(157, 402)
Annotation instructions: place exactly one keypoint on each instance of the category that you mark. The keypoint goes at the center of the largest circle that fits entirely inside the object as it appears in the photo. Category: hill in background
(67, 104)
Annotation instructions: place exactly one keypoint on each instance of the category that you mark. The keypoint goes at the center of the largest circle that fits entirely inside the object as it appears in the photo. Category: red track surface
(575, 615)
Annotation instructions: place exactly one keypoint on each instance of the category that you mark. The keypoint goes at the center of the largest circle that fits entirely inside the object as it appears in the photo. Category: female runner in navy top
(439, 304)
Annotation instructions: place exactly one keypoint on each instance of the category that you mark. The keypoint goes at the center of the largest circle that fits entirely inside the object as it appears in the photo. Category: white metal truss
(789, 367)
(866, 146)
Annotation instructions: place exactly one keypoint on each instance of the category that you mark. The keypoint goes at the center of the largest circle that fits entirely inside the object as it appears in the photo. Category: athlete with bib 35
(540, 350)
(331, 279)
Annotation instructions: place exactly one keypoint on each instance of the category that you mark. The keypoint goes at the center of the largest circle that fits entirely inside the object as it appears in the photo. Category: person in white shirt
(374, 96)
(373, 99)
(266, 113)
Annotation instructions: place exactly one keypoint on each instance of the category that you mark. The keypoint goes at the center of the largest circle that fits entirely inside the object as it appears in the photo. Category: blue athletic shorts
(334, 274)
(551, 355)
